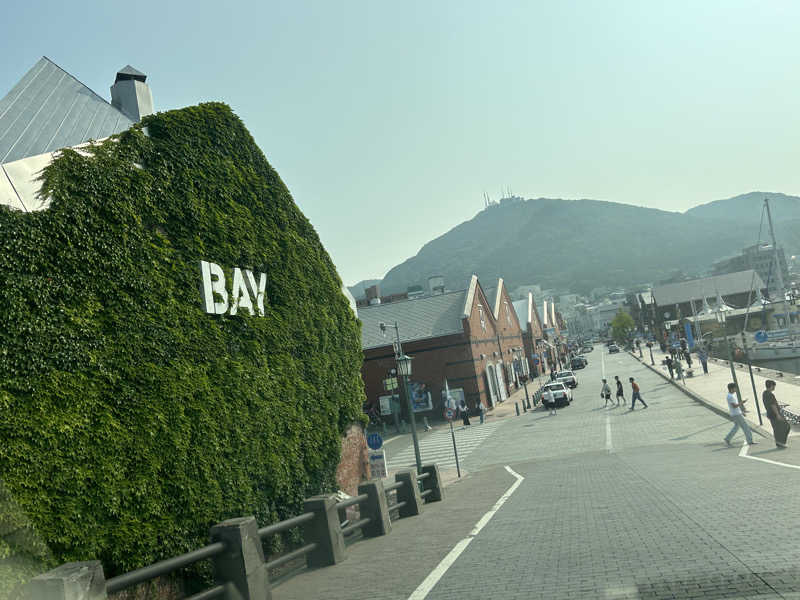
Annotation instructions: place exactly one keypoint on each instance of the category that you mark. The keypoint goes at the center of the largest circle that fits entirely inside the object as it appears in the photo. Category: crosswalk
(437, 447)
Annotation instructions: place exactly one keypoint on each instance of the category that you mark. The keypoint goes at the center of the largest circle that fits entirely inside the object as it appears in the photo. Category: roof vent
(131, 95)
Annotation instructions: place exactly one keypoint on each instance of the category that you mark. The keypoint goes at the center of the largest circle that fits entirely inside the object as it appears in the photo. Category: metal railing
(240, 569)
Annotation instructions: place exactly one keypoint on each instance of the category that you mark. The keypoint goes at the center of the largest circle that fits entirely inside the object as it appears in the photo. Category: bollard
(524, 408)
(324, 530)
(409, 492)
(516, 406)
(433, 482)
(70, 581)
(375, 508)
(242, 563)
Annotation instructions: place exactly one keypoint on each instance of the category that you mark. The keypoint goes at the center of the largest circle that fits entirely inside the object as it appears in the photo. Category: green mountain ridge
(583, 244)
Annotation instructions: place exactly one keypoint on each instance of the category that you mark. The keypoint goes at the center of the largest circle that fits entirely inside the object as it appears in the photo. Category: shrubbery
(131, 420)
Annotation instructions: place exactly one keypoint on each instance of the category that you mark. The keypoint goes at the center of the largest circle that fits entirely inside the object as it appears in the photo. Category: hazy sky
(388, 120)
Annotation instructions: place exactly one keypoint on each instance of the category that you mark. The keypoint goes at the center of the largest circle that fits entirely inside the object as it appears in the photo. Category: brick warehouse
(470, 337)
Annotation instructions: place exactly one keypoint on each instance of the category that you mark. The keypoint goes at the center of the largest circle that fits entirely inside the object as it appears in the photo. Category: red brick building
(533, 337)
(470, 338)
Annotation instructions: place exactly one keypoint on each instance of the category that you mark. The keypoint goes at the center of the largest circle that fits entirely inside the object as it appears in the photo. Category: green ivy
(131, 420)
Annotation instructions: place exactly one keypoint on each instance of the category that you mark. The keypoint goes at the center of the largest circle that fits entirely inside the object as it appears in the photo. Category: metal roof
(707, 287)
(48, 109)
(418, 319)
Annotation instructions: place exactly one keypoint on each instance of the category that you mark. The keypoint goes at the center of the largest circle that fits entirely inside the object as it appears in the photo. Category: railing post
(374, 507)
(242, 563)
(433, 482)
(70, 581)
(324, 530)
(408, 493)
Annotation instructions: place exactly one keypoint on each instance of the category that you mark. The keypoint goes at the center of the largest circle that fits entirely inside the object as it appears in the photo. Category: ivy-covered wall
(130, 419)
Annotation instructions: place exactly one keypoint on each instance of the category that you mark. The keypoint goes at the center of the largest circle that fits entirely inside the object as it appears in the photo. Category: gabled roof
(49, 109)
(523, 310)
(418, 319)
(697, 289)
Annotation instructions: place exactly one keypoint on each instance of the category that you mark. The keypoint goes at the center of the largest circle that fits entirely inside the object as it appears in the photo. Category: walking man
(549, 400)
(679, 369)
(636, 394)
(735, 410)
(481, 409)
(620, 391)
(670, 366)
(605, 392)
(703, 356)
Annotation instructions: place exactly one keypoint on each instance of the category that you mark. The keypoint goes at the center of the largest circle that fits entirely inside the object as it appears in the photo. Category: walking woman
(780, 427)
(464, 413)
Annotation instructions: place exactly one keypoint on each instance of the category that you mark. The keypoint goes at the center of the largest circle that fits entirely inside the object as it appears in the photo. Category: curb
(760, 430)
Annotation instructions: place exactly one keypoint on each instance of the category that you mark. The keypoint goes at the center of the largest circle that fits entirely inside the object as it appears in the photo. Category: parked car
(613, 348)
(587, 349)
(579, 362)
(567, 378)
(561, 393)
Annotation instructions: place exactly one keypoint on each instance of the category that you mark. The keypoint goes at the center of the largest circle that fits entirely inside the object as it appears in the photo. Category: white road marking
(743, 454)
(438, 572)
(391, 439)
(609, 445)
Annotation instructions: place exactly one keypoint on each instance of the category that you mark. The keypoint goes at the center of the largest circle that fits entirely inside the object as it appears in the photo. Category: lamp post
(404, 369)
(752, 379)
(721, 319)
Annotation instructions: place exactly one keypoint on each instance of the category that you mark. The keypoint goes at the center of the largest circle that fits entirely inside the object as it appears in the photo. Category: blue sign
(689, 336)
(761, 336)
(374, 441)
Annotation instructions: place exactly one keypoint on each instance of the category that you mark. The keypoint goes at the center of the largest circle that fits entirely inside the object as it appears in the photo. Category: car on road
(561, 393)
(613, 348)
(567, 378)
(579, 362)
(587, 349)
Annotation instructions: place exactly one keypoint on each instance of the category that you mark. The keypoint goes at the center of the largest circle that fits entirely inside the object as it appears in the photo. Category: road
(603, 503)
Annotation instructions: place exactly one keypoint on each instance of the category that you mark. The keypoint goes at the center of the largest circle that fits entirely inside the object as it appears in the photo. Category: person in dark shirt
(780, 427)
(620, 390)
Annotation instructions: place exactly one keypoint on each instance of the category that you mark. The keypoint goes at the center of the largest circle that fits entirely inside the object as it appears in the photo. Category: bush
(130, 419)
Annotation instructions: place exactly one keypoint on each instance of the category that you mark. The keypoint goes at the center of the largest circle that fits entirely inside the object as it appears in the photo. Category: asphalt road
(596, 503)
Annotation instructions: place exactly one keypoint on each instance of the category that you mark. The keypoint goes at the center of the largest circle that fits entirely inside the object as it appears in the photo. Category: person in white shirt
(735, 409)
(549, 400)
(605, 393)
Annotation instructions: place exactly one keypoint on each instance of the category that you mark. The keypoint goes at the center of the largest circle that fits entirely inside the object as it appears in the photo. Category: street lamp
(722, 319)
(404, 369)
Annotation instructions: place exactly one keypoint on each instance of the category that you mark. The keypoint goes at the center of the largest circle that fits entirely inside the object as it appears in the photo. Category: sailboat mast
(781, 289)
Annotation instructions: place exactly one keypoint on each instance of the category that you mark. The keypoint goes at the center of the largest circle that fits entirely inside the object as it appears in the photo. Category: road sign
(374, 441)
(377, 463)
(761, 336)
(449, 414)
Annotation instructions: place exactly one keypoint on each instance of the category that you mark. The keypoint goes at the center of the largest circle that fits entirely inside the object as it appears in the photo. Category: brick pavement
(615, 504)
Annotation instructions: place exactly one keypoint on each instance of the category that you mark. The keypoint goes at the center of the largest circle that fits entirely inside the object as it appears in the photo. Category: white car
(567, 378)
(561, 393)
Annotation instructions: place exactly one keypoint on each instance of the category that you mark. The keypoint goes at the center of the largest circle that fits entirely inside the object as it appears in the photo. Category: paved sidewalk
(711, 388)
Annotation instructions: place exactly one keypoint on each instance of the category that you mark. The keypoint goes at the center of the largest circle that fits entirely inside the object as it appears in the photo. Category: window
(508, 312)
(483, 320)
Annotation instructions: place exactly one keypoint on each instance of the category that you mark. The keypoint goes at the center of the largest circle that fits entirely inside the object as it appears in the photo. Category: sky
(388, 121)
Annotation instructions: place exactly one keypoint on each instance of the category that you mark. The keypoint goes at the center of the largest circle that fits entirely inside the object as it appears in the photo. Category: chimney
(131, 95)
(436, 285)
(373, 294)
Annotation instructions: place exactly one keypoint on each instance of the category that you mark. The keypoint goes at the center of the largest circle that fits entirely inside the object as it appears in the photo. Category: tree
(622, 326)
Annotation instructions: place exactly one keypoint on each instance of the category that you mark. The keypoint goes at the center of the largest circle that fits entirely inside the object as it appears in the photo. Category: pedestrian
(703, 356)
(735, 410)
(780, 427)
(464, 413)
(635, 393)
(670, 366)
(605, 392)
(688, 359)
(481, 409)
(620, 391)
(679, 369)
(552, 374)
(549, 400)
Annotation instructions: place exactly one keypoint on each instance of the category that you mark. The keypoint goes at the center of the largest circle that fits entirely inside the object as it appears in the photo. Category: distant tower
(131, 95)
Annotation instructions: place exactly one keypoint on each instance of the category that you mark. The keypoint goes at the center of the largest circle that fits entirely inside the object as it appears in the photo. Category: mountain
(583, 244)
